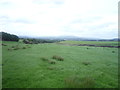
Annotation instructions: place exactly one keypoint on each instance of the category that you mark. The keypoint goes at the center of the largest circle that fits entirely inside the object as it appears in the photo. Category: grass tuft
(113, 51)
(50, 68)
(51, 62)
(24, 48)
(4, 44)
(86, 63)
(76, 82)
(59, 58)
(44, 59)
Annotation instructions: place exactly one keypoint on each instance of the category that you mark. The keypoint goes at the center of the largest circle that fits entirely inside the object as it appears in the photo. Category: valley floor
(29, 66)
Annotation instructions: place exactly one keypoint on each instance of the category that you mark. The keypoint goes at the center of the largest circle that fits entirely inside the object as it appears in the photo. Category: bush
(76, 82)
(58, 58)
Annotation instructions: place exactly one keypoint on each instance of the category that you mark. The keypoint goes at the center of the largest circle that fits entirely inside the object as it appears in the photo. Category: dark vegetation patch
(8, 37)
(86, 63)
(44, 59)
(13, 47)
(51, 68)
(23, 47)
(89, 45)
(59, 58)
(1, 64)
(51, 62)
(77, 82)
(9, 49)
(4, 44)
(113, 51)
(37, 41)
(17, 47)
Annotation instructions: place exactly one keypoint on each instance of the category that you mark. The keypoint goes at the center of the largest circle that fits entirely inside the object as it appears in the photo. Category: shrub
(86, 63)
(76, 82)
(44, 59)
(58, 58)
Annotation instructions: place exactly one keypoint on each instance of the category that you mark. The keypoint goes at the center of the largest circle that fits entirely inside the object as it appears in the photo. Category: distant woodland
(8, 37)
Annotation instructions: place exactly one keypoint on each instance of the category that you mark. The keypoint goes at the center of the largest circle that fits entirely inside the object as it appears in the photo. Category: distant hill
(75, 38)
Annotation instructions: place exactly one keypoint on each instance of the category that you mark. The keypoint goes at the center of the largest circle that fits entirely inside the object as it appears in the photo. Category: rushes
(59, 58)
(44, 59)
(77, 82)
(86, 63)
(50, 61)
(17, 47)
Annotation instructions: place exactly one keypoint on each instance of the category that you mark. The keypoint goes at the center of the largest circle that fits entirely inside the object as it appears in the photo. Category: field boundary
(92, 45)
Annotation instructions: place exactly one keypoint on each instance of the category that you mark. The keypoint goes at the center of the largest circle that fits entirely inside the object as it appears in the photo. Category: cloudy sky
(83, 18)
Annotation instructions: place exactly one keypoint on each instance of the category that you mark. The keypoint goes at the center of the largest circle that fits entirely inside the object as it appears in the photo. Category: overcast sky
(83, 18)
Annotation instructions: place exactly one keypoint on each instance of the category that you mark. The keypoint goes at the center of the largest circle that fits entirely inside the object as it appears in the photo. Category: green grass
(24, 68)
(99, 43)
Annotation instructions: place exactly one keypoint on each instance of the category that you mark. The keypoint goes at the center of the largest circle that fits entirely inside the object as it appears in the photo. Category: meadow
(51, 65)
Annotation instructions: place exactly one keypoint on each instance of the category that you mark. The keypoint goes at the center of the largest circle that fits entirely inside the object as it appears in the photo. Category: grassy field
(98, 43)
(34, 66)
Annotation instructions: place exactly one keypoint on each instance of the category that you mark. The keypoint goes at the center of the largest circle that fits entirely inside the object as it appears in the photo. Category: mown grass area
(98, 43)
(95, 67)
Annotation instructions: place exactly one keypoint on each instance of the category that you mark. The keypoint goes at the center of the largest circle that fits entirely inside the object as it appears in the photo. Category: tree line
(8, 37)
(37, 41)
